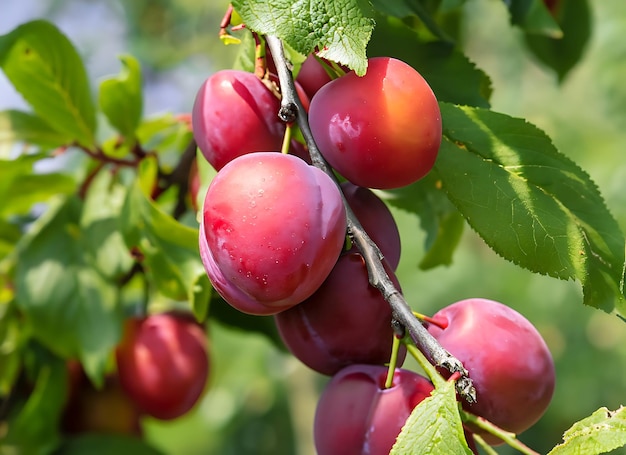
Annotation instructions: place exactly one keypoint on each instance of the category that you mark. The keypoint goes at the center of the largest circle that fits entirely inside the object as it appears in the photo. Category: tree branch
(180, 177)
(292, 110)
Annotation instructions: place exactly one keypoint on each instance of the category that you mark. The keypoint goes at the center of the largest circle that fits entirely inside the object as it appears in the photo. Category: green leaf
(534, 18)
(245, 58)
(106, 444)
(72, 307)
(22, 127)
(165, 134)
(441, 64)
(338, 29)
(152, 130)
(441, 249)
(405, 8)
(13, 336)
(100, 222)
(20, 187)
(170, 249)
(121, 98)
(531, 204)
(43, 65)
(33, 427)
(601, 432)
(27, 190)
(439, 218)
(148, 174)
(9, 236)
(434, 427)
(248, 323)
(201, 291)
(574, 18)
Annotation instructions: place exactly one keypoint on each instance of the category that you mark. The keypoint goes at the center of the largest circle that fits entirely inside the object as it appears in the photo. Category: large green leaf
(169, 249)
(121, 98)
(434, 427)
(71, 305)
(20, 187)
(338, 29)
(562, 54)
(43, 65)
(601, 432)
(440, 63)
(530, 203)
(23, 127)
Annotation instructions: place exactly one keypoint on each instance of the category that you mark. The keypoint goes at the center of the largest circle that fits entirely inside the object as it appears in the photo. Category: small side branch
(292, 110)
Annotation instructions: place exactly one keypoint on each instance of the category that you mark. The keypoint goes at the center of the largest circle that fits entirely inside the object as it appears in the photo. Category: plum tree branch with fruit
(140, 257)
(292, 110)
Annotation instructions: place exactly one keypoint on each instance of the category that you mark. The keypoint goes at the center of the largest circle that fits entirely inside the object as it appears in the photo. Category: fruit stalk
(509, 438)
(291, 110)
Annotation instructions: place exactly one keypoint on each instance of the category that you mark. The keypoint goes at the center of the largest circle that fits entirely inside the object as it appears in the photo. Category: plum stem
(393, 361)
(291, 110)
(508, 437)
(286, 139)
(486, 447)
(440, 322)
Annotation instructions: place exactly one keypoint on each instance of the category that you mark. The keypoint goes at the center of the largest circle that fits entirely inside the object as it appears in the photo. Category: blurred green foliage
(260, 400)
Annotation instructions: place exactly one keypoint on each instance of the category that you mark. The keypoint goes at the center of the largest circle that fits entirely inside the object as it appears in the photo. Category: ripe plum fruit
(346, 321)
(105, 410)
(357, 415)
(312, 76)
(507, 359)
(381, 130)
(234, 113)
(271, 231)
(163, 364)
(376, 219)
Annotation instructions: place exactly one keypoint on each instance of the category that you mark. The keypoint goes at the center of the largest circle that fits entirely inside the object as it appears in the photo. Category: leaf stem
(508, 437)
(291, 110)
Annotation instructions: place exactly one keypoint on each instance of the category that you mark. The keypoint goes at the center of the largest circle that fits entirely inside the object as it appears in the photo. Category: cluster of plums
(162, 370)
(273, 242)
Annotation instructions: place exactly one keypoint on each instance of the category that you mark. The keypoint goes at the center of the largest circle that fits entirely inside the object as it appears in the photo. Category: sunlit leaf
(43, 65)
(338, 29)
(121, 98)
(601, 432)
(434, 427)
(169, 249)
(23, 127)
(72, 307)
(530, 203)
(21, 188)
